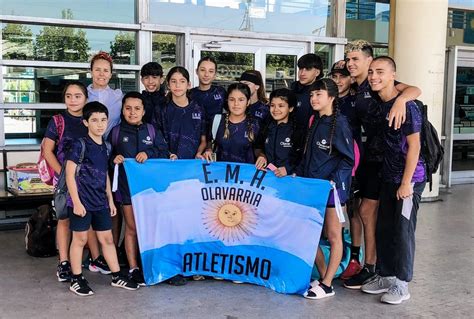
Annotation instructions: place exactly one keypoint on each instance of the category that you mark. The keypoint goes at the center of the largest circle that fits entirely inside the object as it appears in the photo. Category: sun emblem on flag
(229, 221)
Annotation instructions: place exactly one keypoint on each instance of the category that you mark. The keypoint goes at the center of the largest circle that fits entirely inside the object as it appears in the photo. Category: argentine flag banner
(226, 220)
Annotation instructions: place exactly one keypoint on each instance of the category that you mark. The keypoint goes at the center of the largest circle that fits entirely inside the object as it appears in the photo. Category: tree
(17, 42)
(122, 50)
(62, 43)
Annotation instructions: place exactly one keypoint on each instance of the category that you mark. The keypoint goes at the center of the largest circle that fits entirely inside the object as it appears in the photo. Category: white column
(419, 51)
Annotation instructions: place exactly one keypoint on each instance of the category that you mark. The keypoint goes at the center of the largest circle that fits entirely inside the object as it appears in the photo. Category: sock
(327, 289)
(115, 274)
(355, 252)
(132, 269)
(76, 277)
(370, 267)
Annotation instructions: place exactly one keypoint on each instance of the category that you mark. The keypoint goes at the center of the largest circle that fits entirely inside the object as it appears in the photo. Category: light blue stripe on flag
(198, 218)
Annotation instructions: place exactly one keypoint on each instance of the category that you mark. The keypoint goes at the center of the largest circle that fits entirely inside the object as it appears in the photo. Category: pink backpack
(356, 149)
(45, 171)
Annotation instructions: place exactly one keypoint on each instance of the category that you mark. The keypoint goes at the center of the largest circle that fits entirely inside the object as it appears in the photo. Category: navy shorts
(122, 195)
(369, 177)
(100, 220)
(342, 198)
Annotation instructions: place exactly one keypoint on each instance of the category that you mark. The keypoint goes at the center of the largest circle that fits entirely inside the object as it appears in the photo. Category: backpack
(39, 233)
(116, 132)
(45, 171)
(432, 151)
(60, 191)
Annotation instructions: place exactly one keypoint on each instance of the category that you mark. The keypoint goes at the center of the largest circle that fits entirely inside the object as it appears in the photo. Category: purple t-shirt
(237, 147)
(396, 144)
(92, 178)
(183, 128)
(73, 129)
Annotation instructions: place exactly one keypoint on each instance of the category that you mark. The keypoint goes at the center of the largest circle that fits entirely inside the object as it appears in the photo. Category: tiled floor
(442, 285)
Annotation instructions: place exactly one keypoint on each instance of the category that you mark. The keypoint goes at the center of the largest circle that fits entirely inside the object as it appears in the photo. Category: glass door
(459, 118)
(276, 60)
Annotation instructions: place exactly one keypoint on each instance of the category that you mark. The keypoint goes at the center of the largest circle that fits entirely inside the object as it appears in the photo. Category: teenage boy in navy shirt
(403, 181)
(91, 201)
(359, 55)
(154, 99)
(310, 69)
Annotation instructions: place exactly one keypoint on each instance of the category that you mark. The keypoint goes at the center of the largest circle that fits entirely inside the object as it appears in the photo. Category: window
(164, 50)
(368, 20)
(95, 10)
(256, 15)
(27, 86)
(65, 44)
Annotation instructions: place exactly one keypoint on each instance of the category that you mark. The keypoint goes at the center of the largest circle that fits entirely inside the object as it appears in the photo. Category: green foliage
(122, 50)
(17, 42)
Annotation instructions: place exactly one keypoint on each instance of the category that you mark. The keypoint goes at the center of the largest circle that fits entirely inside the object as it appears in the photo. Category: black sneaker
(124, 282)
(356, 282)
(63, 271)
(80, 287)
(177, 280)
(137, 276)
(99, 265)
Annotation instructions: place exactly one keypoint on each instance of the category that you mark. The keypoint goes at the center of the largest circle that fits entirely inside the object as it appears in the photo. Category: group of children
(312, 130)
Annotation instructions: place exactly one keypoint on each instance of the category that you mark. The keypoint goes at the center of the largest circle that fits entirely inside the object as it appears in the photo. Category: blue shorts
(100, 220)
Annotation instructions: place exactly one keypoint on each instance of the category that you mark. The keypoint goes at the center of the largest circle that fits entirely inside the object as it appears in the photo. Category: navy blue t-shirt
(237, 147)
(347, 108)
(74, 128)
(396, 144)
(260, 111)
(154, 102)
(211, 100)
(369, 114)
(303, 110)
(92, 177)
(183, 128)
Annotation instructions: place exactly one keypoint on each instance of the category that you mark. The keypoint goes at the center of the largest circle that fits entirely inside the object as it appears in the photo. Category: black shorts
(369, 178)
(100, 220)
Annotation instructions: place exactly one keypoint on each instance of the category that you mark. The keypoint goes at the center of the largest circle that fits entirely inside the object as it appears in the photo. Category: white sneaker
(397, 293)
(378, 285)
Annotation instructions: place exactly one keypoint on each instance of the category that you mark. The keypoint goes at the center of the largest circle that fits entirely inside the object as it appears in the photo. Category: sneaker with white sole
(363, 277)
(99, 265)
(137, 276)
(319, 291)
(378, 285)
(80, 287)
(124, 282)
(63, 271)
(397, 293)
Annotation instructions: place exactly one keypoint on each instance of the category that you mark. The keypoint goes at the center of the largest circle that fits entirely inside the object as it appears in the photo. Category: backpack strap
(115, 135)
(59, 123)
(215, 125)
(83, 151)
(151, 131)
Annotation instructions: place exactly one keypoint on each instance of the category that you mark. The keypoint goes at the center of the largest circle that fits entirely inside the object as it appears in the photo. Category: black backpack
(431, 149)
(39, 233)
(60, 191)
